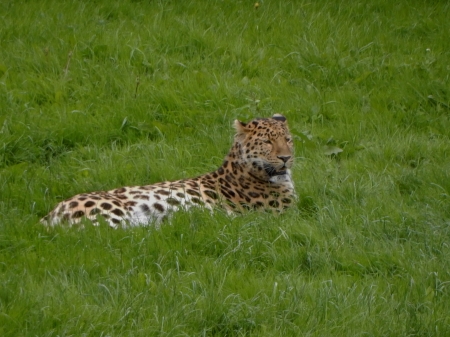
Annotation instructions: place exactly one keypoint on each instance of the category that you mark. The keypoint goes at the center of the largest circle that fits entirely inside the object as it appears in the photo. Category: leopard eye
(288, 139)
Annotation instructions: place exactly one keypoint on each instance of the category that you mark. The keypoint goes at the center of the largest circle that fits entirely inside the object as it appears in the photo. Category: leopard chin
(279, 173)
(273, 171)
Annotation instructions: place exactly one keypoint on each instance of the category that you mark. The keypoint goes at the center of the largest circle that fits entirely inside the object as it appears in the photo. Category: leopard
(255, 175)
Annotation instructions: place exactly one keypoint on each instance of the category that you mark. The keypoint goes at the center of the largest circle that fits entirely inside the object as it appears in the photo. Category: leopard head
(265, 147)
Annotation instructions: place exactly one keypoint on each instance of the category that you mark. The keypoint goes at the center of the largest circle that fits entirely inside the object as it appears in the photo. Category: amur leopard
(254, 175)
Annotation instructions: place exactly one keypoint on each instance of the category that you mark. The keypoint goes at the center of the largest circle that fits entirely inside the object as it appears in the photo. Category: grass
(96, 95)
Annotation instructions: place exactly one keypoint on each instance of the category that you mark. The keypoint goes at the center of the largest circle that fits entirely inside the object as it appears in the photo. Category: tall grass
(96, 95)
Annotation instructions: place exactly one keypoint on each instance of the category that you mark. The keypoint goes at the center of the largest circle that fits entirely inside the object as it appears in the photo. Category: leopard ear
(279, 118)
(241, 130)
(240, 127)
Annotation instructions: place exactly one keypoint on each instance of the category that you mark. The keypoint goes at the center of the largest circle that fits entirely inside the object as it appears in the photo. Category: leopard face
(265, 147)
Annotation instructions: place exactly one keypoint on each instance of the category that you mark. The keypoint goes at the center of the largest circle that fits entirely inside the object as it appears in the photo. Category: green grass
(97, 95)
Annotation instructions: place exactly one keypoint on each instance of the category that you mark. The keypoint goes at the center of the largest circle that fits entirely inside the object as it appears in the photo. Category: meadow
(100, 94)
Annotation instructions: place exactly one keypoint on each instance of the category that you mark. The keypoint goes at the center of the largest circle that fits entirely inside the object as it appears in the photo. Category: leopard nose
(284, 158)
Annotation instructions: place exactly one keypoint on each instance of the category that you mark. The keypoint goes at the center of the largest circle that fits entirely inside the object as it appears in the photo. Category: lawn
(99, 94)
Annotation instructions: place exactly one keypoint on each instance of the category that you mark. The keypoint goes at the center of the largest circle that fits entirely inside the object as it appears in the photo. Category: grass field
(99, 94)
